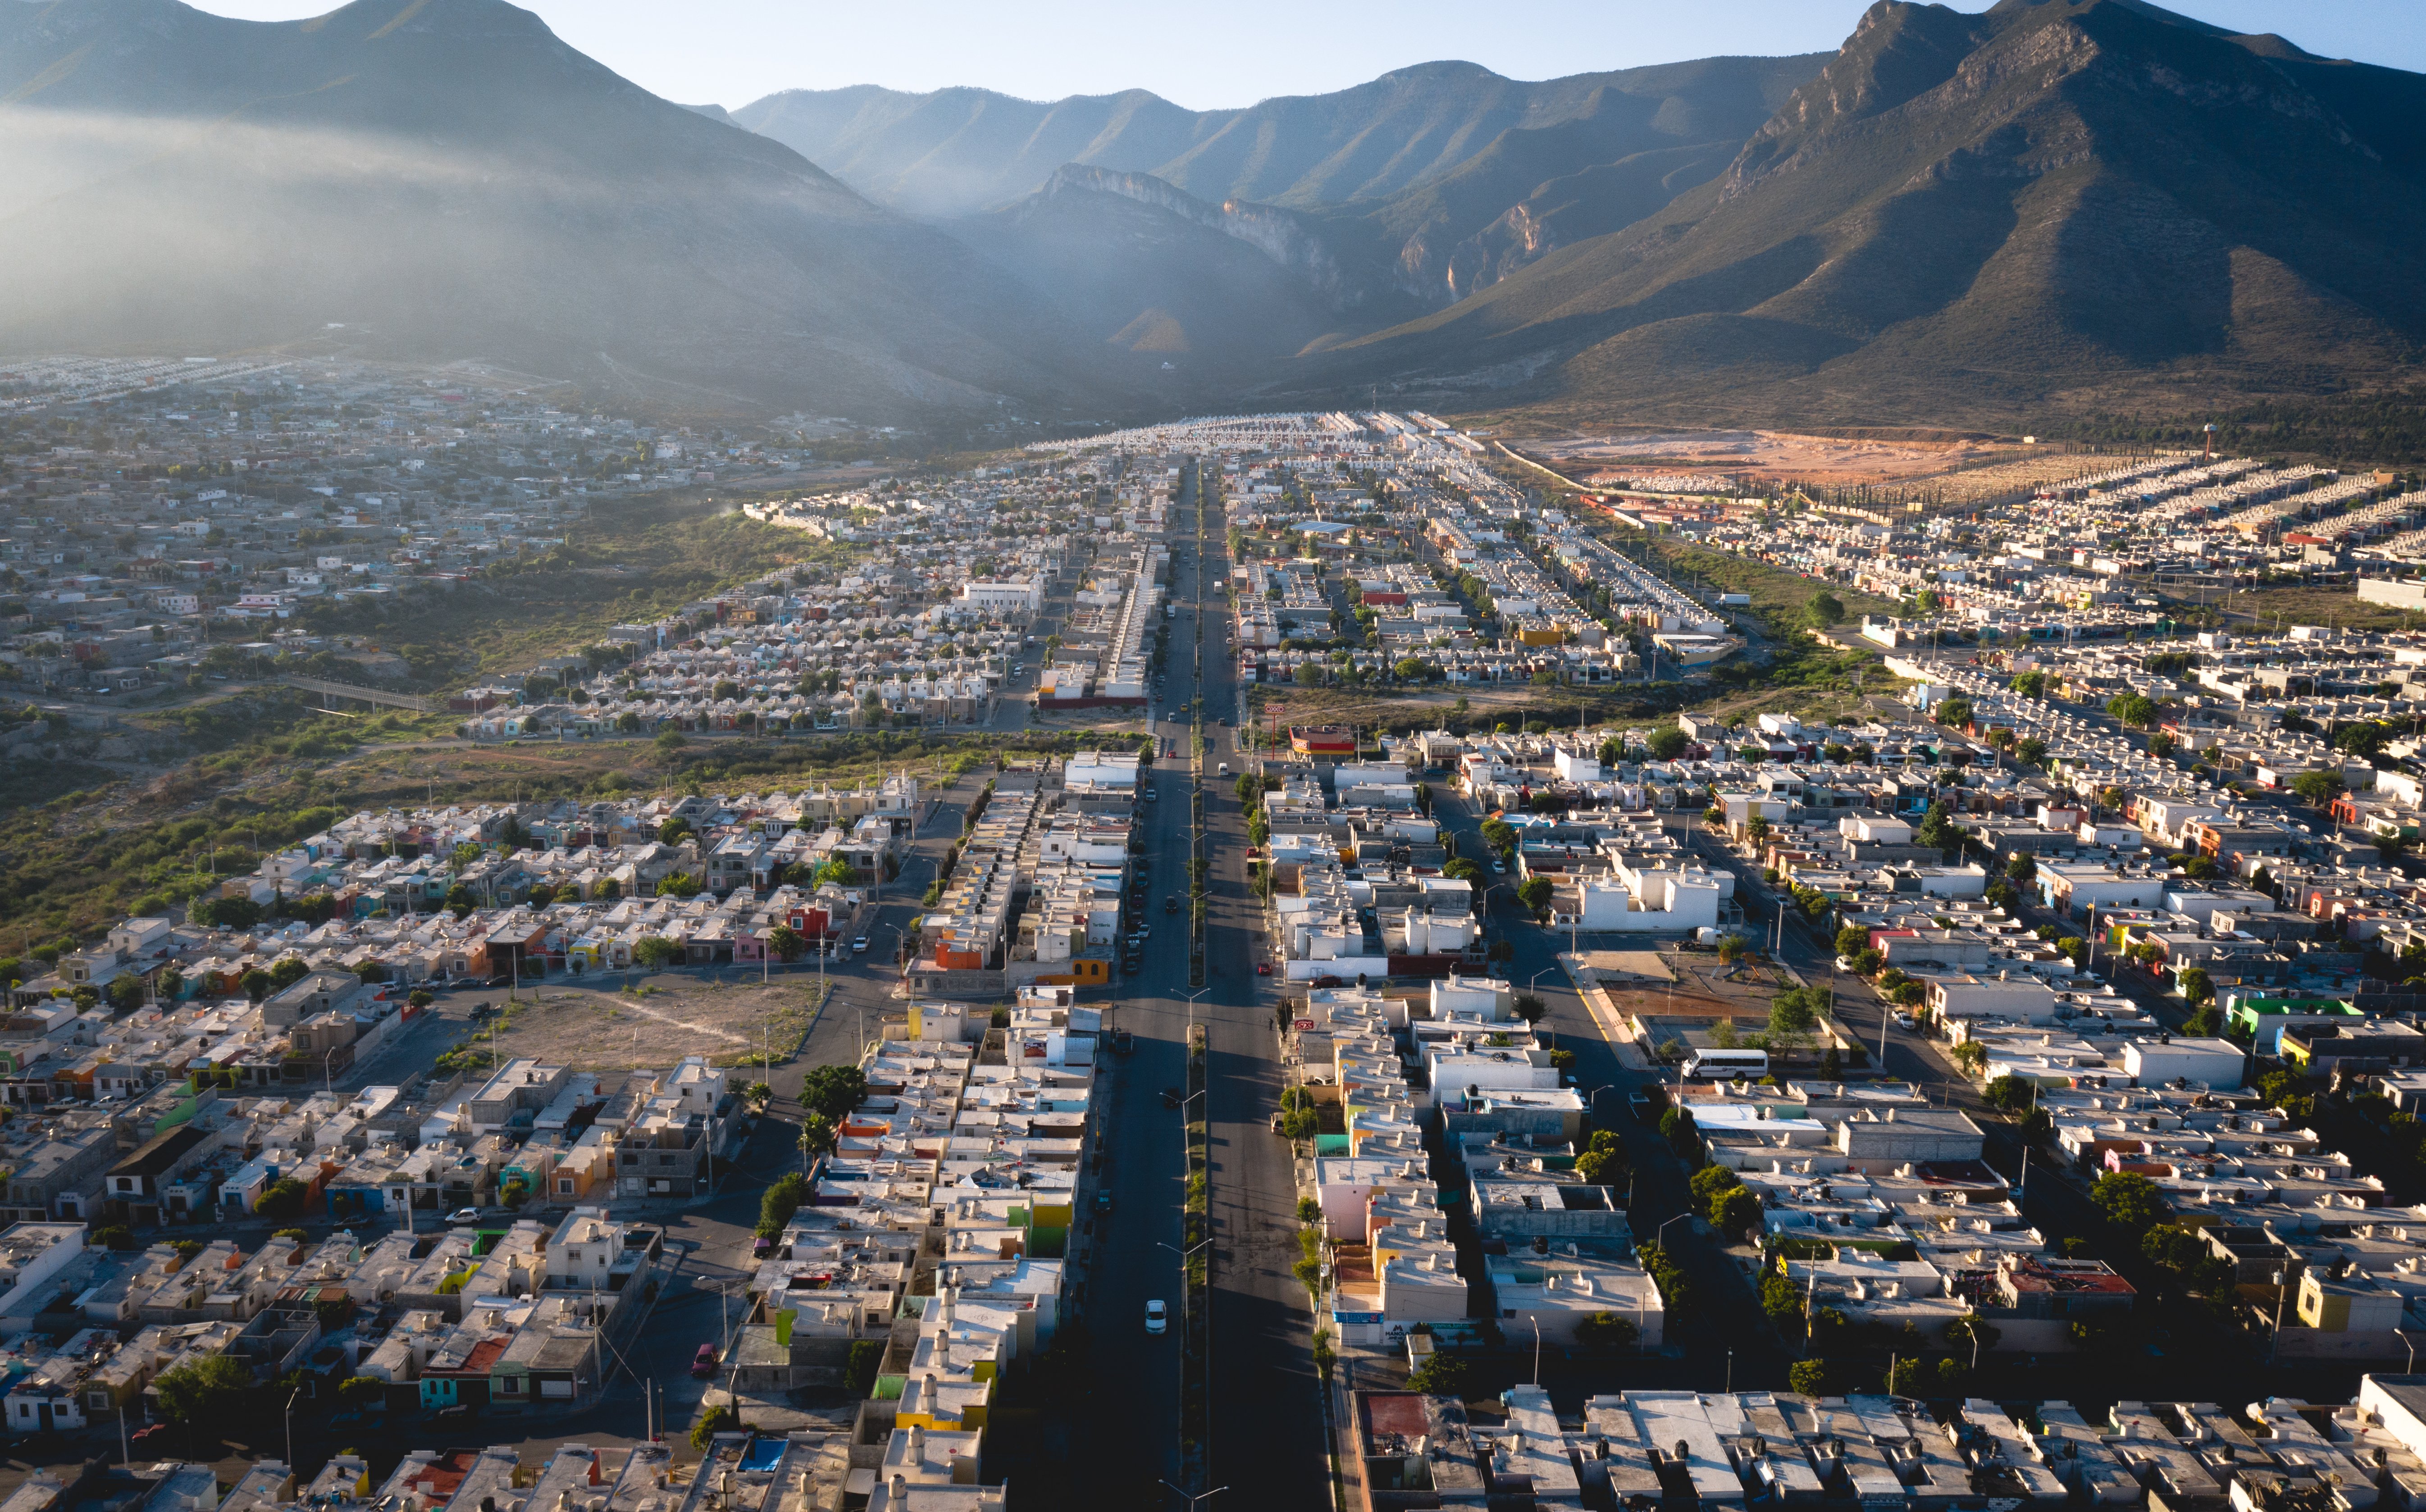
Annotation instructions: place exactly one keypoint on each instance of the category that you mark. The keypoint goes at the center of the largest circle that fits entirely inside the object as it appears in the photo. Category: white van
(1225, 768)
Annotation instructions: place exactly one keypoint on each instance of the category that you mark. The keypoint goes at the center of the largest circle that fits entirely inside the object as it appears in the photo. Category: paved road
(1264, 1441)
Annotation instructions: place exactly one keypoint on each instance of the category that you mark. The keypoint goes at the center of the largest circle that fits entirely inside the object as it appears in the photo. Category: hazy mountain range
(2058, 206)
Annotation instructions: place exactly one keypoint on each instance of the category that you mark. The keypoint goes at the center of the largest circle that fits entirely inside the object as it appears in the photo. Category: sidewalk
(1605, 1017)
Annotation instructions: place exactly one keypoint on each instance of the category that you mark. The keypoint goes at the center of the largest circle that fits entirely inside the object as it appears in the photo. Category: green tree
(2130, 1201)
(1852, 940)
(2197, 987)
(2318, 788)
(1954, 713)
(1440, 1375)
(1808, 1376)
(2363, 740)
(656, 952)
(2031, 685)
(713, 1420)
(776, 1205)
(1736, 1212)
(208, 1391)
(786, 942)
(833, 1091)
(1606, 1332)
(2009, 1093)
(1791, 1014)
(284, 1198)
(1937, 829)
(1535, 895)
(1667, 744)
(819, 1134)
(1709, 1185)
(2032, 751)
(1602, 1162)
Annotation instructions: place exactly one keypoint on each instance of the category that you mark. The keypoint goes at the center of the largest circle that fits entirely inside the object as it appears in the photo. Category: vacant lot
(597, 1024)
(2313, 604)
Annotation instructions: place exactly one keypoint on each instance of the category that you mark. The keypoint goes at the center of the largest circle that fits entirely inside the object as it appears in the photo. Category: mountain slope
(444, 179)
(2077, 202)
(956, 151)
(1216, 291)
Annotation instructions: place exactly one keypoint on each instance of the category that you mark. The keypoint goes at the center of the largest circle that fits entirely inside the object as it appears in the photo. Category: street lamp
(1200, 1496)
(1660, 1236)
(1528, 993)
(1536, 1322)
(1191, 998)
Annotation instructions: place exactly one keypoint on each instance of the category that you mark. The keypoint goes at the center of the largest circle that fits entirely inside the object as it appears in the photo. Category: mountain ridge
(445, 178)
(951, 153)
(2064, 203)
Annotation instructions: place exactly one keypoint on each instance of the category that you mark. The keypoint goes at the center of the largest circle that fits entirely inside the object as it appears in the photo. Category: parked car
(1144, 931)
(1132, 964)
(1158, 1317)
(1103, 1202)
(859, 946)
(1152, 797)
(1263, 968)
(1276, 1123)
(1844, 963)
(1905, 1019)
(463, 1217)
(764, 1248)
(702, 1364)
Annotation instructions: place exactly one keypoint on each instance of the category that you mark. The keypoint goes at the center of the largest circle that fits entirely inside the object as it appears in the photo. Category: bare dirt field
(591, 1023)
(1760, 458)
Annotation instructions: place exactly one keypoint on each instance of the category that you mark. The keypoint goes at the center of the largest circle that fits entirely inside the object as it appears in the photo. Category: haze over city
(953, 759)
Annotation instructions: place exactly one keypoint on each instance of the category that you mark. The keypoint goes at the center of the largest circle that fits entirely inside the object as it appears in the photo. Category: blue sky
(730, 52)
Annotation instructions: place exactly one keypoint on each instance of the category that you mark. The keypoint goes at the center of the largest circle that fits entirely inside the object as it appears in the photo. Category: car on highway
(859, 946)
(702, 1364)
(1170, 903)
(1158, 1317)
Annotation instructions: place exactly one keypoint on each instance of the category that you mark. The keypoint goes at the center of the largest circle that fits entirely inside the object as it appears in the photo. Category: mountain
(444, 179)
(1139, 258)
(2082, 205)
(1220, 292)
(957, 152)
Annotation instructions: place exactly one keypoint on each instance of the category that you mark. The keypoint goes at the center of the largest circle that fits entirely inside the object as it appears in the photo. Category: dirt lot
(1705, 993)
(591, 1023)
(1770, 457)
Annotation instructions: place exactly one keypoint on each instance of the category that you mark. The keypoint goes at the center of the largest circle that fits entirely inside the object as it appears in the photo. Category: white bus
(1724, 1064)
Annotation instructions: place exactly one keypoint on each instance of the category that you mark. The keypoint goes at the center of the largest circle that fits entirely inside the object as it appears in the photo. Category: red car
(702, 1364)
(1263, 968)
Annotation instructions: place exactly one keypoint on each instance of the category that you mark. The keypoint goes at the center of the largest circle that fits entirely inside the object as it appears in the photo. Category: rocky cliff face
(1282, 235)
